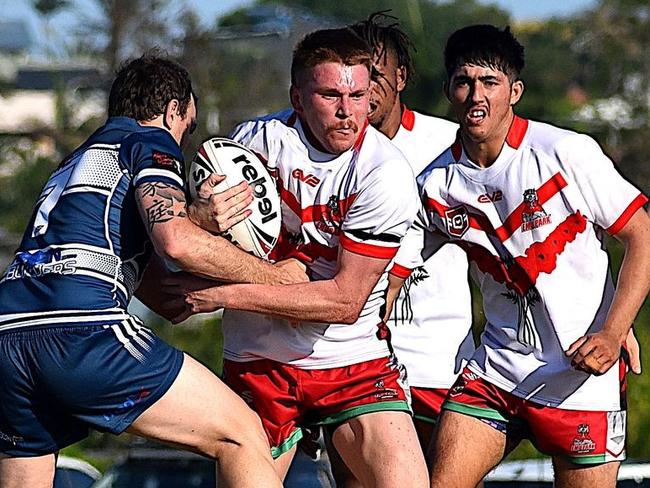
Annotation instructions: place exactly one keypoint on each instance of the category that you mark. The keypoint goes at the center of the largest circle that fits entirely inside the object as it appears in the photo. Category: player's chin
(339, 142)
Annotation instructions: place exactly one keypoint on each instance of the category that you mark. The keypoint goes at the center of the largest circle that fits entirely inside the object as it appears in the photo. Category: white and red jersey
(432, 316)
(533, 225)
(363, 200)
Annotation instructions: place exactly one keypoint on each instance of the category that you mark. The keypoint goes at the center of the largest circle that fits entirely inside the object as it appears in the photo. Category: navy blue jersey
(85, 248)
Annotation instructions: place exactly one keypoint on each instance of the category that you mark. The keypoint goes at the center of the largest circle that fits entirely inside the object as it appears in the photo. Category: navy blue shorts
(57, 382)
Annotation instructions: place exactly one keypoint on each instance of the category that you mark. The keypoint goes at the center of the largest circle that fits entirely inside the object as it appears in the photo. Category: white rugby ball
(259, 233)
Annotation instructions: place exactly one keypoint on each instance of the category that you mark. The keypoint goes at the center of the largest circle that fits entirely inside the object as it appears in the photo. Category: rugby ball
(259, 233)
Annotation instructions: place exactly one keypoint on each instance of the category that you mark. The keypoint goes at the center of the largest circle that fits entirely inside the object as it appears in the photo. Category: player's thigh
(20, 472)
(199, 412)
(464, 450)
(570, 475)
(382, 449)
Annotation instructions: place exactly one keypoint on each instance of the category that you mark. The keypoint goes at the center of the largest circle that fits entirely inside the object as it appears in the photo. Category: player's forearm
(632, 288)
(318, 301)
(205, 254)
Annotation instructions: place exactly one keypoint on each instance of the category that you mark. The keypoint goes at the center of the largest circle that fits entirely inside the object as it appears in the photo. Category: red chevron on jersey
(541, 257)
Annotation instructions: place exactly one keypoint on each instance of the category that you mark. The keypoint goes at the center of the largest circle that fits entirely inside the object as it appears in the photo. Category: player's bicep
(162, 207)
(358, 274)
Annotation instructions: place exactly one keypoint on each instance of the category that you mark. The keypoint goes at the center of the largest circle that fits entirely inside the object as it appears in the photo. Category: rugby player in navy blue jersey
(71, 356)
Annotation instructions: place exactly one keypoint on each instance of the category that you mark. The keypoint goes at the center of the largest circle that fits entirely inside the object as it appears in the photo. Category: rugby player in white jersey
(317, 354)
(431, 317)
(549, 366)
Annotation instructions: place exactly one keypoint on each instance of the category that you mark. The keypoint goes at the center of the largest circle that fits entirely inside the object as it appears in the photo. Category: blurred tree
(126, 28)
(46, 10)
(613, 42)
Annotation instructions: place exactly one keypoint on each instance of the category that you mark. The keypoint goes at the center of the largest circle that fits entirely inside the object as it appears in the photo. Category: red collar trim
(362, 135)
(408, 118)
(517, 132)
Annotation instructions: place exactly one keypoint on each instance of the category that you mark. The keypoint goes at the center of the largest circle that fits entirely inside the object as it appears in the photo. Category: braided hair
(382, 32)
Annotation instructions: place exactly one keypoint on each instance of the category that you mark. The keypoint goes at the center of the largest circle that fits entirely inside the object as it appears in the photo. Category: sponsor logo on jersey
(457, 221)
(533, 215)
(40, 263)
(166, 161)
(583, 444)
(308, 179)
(331, 218)
(11, 439)
(494, 196)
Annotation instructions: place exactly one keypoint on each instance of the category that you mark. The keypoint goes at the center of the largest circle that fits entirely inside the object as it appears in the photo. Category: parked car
(167, 468)
(538, 473)
(74, 473)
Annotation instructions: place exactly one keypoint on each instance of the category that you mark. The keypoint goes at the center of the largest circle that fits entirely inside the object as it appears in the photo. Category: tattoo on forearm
(163, 203)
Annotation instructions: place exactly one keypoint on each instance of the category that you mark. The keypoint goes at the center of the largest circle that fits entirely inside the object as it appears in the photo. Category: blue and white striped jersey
(85, 248)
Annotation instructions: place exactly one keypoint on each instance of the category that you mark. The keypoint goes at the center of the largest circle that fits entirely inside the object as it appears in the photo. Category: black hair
(487, 46)
(144, 86)
(382, 32)
(340, 45)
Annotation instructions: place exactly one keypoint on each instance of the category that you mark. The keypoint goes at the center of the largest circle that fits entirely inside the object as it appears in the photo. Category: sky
(210, 9)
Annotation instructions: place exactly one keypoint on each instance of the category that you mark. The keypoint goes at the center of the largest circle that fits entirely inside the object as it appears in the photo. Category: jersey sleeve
(382, 211)
(153, 157)
(610, 200)
(409, 255)
(254, 135)
(418, 245)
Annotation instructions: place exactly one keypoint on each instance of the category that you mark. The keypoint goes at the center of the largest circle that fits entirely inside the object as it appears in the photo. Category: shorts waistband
(13, 322)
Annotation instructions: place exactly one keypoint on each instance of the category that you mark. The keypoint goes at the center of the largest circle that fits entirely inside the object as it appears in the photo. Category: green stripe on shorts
(472, 411)
(593, 459)
(424, 418)
(337, 418)
(291, 441)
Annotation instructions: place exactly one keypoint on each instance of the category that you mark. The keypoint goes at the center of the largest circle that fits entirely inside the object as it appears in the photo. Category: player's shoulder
(150, 138)
(430, 123)
(377, 152)
(276, 122)
(549, 138)
(379, 158)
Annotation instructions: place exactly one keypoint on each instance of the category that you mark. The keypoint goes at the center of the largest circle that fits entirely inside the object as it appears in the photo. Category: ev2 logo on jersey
(308, 179)
(494, 196)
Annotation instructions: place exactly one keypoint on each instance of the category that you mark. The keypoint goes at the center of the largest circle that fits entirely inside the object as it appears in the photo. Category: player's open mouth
(476, 115)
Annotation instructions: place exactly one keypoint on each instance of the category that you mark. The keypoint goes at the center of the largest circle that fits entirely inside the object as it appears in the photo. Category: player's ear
(402, 76)
(294, 96)
(516, 91)
(171, 112)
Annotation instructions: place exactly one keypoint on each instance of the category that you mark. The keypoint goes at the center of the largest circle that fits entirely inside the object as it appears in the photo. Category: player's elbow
(349, 311)
(174, 249)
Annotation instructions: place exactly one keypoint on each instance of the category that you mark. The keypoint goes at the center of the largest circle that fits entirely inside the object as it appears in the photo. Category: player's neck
(160, 123)
(392, 122)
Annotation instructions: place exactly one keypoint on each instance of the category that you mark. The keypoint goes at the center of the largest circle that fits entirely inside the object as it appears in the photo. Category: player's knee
(244, 433)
